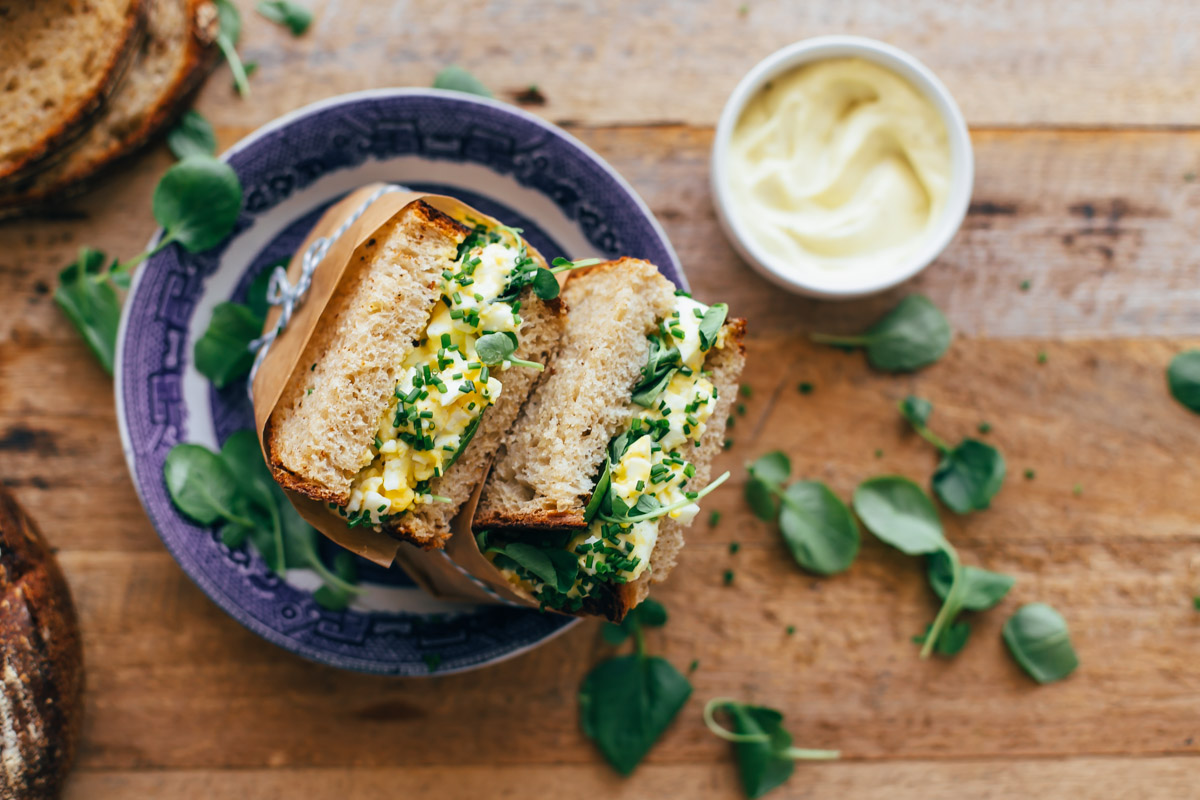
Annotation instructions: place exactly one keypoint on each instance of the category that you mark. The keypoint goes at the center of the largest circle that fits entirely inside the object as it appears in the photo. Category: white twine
(281, 292)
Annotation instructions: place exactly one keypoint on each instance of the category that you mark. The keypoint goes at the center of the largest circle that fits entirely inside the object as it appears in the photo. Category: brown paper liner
(460, 572)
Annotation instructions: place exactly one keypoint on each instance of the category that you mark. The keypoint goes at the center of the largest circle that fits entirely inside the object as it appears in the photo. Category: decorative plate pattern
(495, 157)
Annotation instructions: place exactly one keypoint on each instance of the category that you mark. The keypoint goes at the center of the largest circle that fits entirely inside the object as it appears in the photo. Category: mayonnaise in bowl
(838, 176)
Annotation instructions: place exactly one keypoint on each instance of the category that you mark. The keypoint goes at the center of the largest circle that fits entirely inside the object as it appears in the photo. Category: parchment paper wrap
(459, 572)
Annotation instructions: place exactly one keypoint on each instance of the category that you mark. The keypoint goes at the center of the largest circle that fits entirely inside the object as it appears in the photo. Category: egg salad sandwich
(419, 365)
(590, 493)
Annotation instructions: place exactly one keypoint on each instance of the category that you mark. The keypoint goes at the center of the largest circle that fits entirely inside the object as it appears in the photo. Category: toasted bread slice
(547, 468)
(329, 411)
(176, 54)
(62, 59)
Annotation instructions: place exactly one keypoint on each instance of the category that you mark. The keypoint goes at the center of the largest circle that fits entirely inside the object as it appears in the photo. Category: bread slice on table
(315, 439)
(171, 63)
(547, 469)
(61, 59)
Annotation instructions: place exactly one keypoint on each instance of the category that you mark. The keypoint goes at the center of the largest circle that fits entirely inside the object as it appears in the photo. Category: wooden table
(1084, 118)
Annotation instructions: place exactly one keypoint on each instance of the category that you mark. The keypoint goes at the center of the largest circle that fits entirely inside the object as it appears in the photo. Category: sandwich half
(586, 504)
(418, 367)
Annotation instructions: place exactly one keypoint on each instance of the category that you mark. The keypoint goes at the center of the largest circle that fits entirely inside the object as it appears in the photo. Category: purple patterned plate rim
(185, 541)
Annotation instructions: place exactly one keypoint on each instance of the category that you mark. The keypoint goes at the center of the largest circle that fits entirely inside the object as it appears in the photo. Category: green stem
(802, 754)
(843, 341)
(314, 561)
(721, 731)
(583, 262)
(639, 641)
(950, 605)
(662, 512)
(932, 438)
(128, 266)
(520, 362)
(240, 79)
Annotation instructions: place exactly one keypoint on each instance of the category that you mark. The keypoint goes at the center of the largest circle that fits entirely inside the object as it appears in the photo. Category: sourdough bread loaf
(41, 663)
(59, 62)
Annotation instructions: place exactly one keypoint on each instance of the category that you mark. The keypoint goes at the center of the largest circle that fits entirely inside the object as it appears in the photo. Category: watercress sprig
(1038, 639)
(766, 757)
(817, 526)
(626, 702)
(914, 334)
(969, 474)
(229, 30)
(1183, 379)
(457, 79)
(495, 349)
(293, 16)
(192, 136)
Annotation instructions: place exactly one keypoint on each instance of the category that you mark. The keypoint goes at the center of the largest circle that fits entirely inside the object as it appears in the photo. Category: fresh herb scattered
(1183, 379)
(1030, 474)
(229, 30)
(790, 630)
(236, 489)
(982, 589)
(746, 390)
(984, 428)
(879, 454)
(625, 703)
(1077, 490)
(818, 528)
(1038, 639)
(766, 758)
(1026, 285)
(695, 665)
(805, 387)
(727, 577)
(741, 409)
(297, 18)
(714, 517)
(87, 294)
(457, 79)
(192, 136)
(913, 335)
(1042, 357)
(733, 548)
(432, 661)
(900, 514)
(969, 474)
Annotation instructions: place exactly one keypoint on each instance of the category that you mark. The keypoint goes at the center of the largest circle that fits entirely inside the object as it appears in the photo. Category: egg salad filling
(645, 477)
(447, 381)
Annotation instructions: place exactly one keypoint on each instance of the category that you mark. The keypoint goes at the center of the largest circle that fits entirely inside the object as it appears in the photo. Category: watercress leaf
(229, 30)
(761, 499)
(952, 640)
(661, 364)
(761, 765)
(644, 505)
(651, 613)
(915, 334)
(626, 703)
(299, 539)
(334, 598)
(566, 568)
(243, 456)
(233, 534)
(87, 297)
(900, 514)
(223, 353)
(1183, 378)
(458, 79)
(968, 477)
(229, 20)
(818, 528)
(534, 560)
(614, 634)
(493, 348)
(599, 493)
(545, 285)
(201, 485)
(982, 588)
(774, 468)
(197, 202)
(256, 293)
(1038, 639)
(710, 324)
(916, 410)
(296, 17)
(192, 136)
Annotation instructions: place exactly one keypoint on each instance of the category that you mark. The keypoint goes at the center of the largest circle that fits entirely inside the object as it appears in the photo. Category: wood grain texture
(183, 702)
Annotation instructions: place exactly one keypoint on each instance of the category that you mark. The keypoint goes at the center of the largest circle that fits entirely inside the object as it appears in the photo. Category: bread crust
(41, 678)
(70, 174)
(77, 123)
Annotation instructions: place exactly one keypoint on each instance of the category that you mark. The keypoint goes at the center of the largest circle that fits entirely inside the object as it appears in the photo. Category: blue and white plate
(501, 160)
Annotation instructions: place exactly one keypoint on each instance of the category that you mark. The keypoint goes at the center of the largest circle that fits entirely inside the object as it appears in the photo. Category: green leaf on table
(912, 335)
(202, 486)
(87, 296)
(982, 589)
(766, 758)
(1038, 639)
(296, 17)
(818, 528)
(767, 476)
(951, 642)
(457, 79)
(1183, 379)
(229, 30)
(192, 136)
(648, 614)
(900, 514)
(197, 202)
(223, 353)
(916, 410)
(626, 703)
(969, 476)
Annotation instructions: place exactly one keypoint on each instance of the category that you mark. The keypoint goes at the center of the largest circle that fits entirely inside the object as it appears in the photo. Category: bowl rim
(130, 452)
(962, 164)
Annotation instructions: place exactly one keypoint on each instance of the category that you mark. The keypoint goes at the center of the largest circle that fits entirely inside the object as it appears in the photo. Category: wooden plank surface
(183, 702)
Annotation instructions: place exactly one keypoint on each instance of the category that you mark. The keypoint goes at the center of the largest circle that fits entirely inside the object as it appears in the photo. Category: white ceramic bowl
(842, 284)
